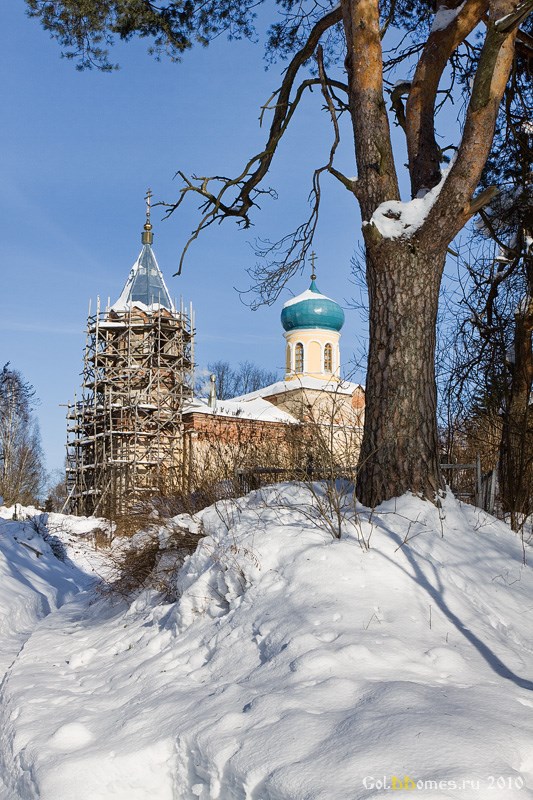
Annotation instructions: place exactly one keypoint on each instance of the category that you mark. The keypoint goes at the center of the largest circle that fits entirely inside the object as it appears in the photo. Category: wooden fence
(466, 481)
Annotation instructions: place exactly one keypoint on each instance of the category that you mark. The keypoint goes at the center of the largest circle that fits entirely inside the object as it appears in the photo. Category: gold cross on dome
(313, 257)
(148, 199)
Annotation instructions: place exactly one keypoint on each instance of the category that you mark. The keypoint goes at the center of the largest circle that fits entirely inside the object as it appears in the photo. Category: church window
(328, 358)
(288, 358)
(299, 357)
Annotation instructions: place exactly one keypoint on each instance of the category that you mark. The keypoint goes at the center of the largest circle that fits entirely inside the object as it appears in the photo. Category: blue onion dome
(311, 309)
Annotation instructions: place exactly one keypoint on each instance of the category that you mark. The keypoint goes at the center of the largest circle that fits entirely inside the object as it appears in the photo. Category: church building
(137, 430)
(311, 421)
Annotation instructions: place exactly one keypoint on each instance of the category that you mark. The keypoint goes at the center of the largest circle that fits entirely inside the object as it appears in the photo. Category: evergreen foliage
(492, 377)
(86, 29)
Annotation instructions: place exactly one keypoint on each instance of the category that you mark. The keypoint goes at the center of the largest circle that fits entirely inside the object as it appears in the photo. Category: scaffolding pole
(125, 435)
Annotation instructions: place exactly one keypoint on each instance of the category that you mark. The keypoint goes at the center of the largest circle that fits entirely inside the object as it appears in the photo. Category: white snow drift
(294, 666)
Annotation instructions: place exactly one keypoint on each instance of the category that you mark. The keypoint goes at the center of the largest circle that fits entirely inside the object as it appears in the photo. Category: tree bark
(376, 171)
(400, 442)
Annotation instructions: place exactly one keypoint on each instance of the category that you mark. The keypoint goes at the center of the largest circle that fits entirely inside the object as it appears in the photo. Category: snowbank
(33, 582)
(294, 666)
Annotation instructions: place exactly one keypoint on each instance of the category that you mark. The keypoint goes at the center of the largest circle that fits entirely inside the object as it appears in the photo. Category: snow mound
(33, 580)
(294, 665)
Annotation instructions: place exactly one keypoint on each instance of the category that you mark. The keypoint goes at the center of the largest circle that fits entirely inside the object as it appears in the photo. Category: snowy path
(33, 585)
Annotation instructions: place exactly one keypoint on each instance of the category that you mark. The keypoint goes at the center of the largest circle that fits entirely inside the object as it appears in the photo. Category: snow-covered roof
(253, 408)
(145, 287)
(280, 387)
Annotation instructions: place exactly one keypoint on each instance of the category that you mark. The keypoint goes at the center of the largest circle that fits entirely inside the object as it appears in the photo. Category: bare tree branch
(424, 153)
(348, 183)
(453, 207)
(215, 207)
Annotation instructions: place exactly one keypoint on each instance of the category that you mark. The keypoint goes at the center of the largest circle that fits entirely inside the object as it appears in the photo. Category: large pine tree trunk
(400, 443)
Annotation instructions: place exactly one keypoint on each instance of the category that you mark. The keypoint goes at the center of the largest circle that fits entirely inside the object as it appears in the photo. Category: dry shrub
(151, 559)
(102, 538)
(131, 522)
(208, 490)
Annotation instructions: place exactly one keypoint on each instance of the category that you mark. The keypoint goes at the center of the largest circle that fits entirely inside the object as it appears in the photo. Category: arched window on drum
(328, 358)
(299, 357)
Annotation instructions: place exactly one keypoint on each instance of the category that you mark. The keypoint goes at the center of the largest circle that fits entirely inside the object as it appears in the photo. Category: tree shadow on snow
(437, 594)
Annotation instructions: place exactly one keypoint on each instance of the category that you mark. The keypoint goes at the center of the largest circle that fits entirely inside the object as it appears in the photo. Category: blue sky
(79, 151)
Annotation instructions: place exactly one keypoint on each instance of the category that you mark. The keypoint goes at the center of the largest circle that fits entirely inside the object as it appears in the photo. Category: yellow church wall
(314, 342)
(334, 421)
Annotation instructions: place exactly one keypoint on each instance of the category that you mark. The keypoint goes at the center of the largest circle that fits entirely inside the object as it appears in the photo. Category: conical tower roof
(145, 287)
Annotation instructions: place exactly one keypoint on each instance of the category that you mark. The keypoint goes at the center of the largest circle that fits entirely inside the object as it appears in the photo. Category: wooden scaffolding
(125, 435)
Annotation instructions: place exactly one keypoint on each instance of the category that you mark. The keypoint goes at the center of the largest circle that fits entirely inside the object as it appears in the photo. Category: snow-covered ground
(34, 582)
(294, 666)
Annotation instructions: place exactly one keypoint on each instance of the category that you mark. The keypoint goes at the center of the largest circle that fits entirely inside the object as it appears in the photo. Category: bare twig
(215, 207)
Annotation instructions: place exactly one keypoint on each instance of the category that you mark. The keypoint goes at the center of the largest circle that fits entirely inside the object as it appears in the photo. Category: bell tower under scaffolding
(125, 434)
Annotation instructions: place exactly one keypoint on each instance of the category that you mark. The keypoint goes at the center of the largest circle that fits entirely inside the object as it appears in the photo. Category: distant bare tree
(235, 381)
(491, 378)
(21, 457)
(57, 491)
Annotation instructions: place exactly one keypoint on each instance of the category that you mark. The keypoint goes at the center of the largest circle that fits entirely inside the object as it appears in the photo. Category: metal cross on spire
(313, 257)
(148, 199)
(147, 235)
